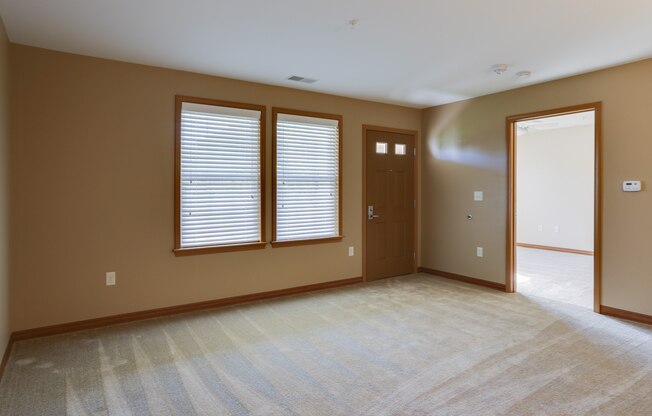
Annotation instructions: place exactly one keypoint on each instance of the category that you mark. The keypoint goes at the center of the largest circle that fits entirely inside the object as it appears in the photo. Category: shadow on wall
(451, 141)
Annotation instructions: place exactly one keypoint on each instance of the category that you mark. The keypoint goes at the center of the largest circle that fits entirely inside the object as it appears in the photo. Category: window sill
(192, 251)
(291, 243)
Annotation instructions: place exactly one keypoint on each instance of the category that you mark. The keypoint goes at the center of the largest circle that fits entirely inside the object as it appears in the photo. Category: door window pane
(381, 148)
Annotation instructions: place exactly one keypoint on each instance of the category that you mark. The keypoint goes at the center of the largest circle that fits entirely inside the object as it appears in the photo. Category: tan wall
(92, 166)
(464, 150)
(4, 189)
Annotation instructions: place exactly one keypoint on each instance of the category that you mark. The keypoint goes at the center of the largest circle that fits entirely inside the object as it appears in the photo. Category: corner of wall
(4, 190)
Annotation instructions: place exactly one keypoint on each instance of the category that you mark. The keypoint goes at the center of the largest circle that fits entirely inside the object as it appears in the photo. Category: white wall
(554, 187)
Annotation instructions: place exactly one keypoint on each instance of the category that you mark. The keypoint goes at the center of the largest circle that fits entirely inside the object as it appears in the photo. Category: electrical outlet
(110, 278)
(479, 252)
(351, 251)
(556, 228)
(539, 227)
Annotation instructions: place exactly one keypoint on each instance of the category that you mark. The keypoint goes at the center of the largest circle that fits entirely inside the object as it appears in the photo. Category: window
(307, 177)
(381, 148)
(400, 149)
(219, 176)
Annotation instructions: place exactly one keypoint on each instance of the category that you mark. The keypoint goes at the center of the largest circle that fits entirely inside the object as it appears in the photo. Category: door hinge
(414, 255)
(415, 151)
(415, 203)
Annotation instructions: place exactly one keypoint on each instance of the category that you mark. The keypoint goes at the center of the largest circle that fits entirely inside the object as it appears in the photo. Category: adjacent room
(555, 202)
(325, 208)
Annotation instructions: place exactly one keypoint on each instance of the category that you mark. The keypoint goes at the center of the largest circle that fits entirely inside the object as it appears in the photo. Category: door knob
(370, 213)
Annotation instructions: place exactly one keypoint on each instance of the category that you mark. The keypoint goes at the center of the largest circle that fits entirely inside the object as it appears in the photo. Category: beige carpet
(565, 277)
(414, 345)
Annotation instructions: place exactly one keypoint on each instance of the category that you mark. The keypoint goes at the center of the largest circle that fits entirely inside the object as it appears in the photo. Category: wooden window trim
(191, 251)
(188, 251)
(305, 242)
(275, 112)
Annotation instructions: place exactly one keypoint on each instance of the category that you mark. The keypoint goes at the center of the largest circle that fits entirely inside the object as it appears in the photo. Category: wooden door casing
(390, 247)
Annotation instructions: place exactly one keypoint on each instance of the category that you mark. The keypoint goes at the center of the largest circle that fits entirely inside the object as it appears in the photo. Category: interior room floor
(566, 277)
(412, 345)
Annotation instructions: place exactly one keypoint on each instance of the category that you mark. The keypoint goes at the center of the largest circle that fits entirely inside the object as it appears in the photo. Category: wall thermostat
(631, 186)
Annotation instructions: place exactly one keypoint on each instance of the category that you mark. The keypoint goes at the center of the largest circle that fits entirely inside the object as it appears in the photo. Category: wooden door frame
(510, 282)
(415, 134)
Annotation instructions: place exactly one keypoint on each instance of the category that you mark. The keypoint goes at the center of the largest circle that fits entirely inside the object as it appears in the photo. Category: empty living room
(321, 208)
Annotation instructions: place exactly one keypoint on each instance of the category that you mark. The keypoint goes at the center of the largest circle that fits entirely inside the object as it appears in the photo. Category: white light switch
(479, 252)
(555, 228)
(632, 186)
(477, 196)
(351, 251)
(110, 278)
(539, 227)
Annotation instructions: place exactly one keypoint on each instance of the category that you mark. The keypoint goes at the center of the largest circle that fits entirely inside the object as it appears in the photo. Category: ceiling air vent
(302, 79)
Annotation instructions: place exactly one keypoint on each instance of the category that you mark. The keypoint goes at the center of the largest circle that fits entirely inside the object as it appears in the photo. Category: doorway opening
(554, 231)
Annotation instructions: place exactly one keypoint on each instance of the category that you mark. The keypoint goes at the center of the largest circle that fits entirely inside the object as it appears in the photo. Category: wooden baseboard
(461, 278)
(623, 314)
(563, 250)
(173, 310)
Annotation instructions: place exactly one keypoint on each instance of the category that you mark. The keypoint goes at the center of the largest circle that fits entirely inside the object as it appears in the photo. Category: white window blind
(307, 178)
(220, 175)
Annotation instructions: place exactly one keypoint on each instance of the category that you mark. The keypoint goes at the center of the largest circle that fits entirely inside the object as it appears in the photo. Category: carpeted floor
(413, 345)
(565, 277)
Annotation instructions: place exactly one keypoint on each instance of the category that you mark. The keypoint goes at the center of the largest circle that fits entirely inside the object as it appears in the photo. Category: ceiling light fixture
(523, 74)
(499, 69)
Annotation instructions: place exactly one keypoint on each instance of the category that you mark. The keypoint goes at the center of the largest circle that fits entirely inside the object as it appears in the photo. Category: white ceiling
(556, 122)
(411, 52)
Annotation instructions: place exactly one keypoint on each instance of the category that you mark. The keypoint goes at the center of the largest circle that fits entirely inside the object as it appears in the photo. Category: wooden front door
(390, 203)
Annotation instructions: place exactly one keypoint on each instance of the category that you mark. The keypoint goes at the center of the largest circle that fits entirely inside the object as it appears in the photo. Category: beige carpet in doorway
(414, 345)
(565, 277)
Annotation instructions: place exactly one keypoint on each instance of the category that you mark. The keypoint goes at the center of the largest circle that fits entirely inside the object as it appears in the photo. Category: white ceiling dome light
(499, 69)
(524, 74)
